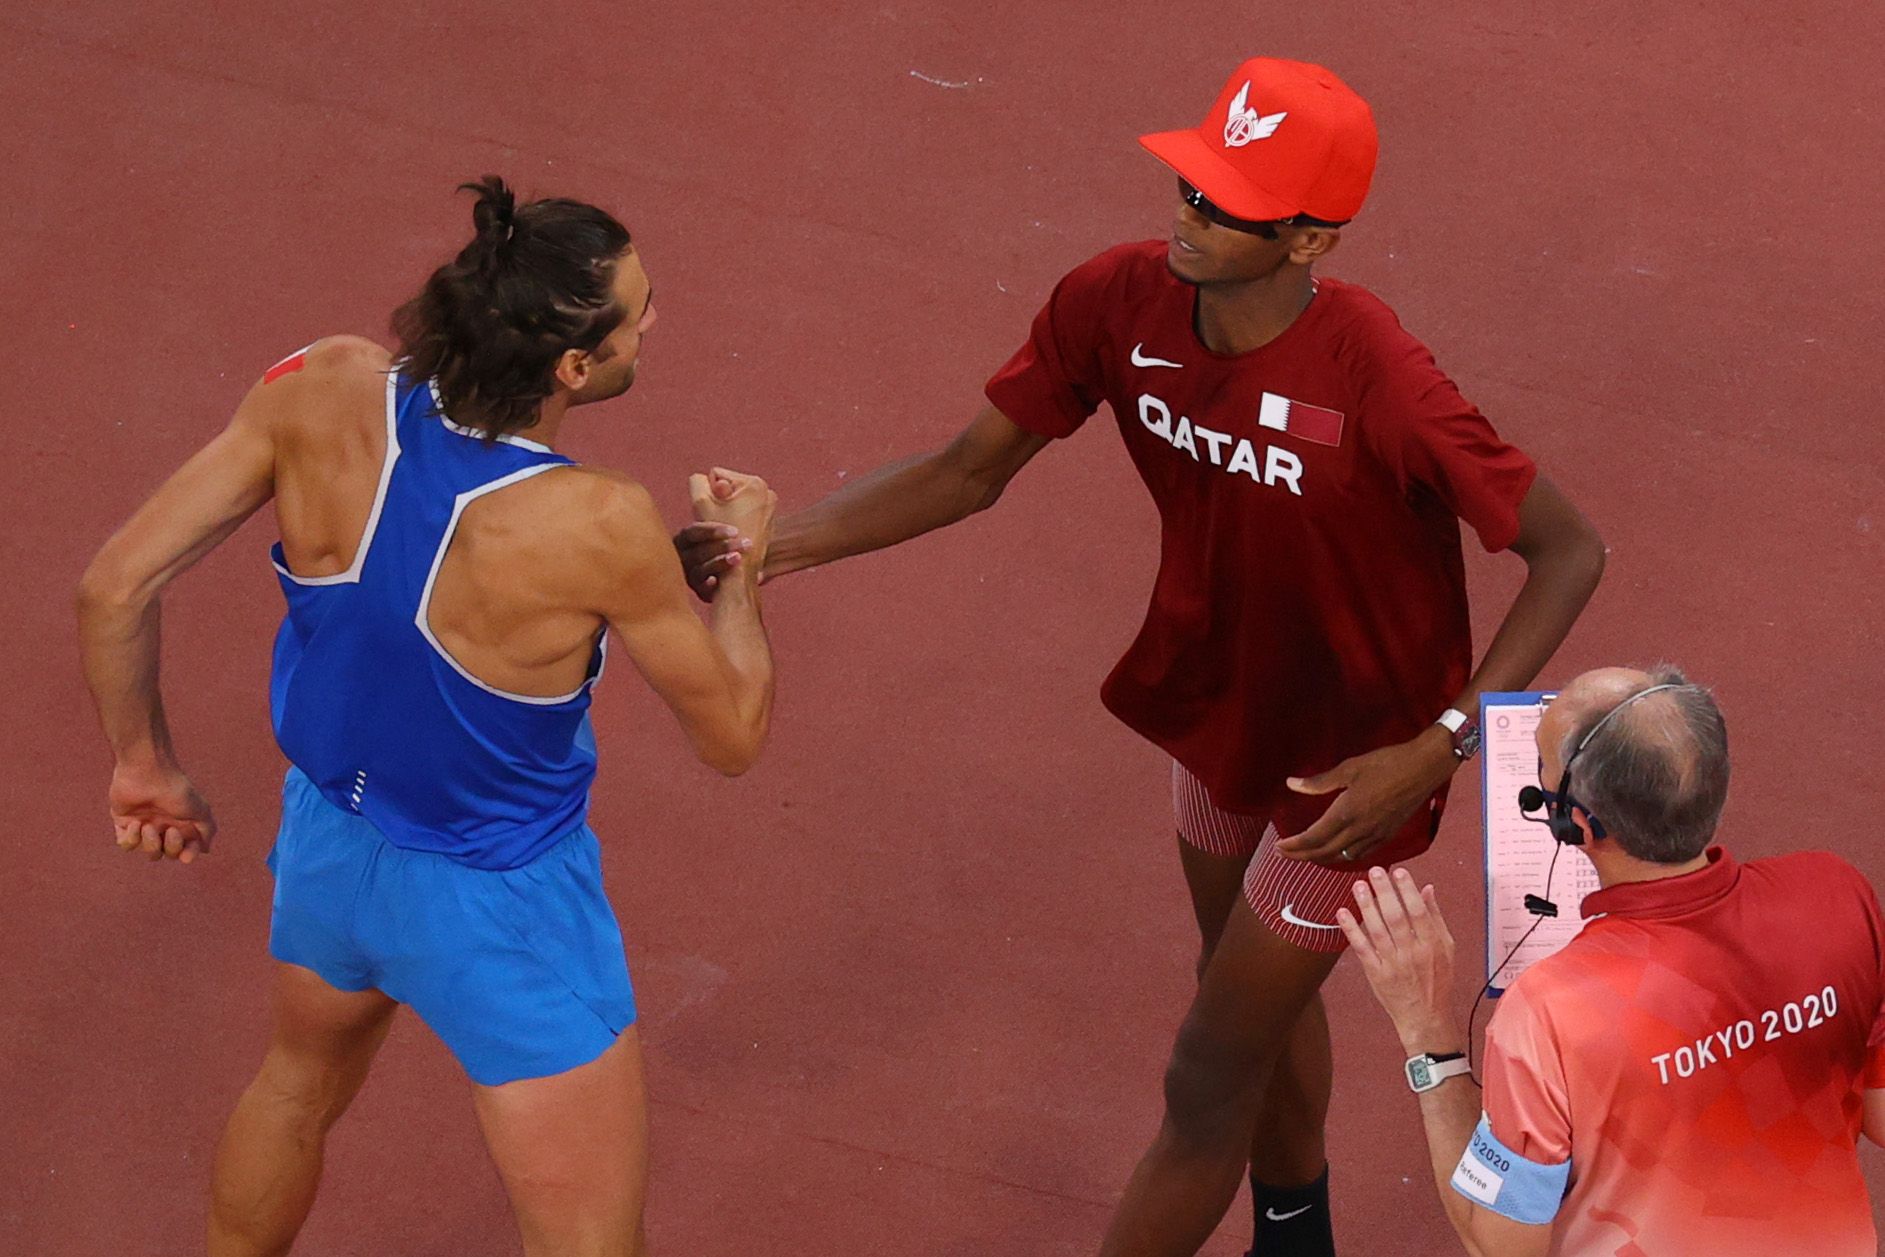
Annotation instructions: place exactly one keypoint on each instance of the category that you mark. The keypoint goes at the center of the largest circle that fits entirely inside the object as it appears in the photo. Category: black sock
(1292, 1221)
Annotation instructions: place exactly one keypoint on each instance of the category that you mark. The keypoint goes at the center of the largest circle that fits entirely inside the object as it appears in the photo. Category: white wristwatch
(1464, 731)
(1427, 1071)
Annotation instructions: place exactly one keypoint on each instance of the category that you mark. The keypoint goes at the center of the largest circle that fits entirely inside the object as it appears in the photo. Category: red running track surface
(908, 987)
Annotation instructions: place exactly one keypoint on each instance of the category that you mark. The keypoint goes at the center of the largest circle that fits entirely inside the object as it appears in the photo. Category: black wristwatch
(1465, 732)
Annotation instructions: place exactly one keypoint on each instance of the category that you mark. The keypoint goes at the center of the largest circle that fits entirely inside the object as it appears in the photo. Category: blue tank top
(369, 705)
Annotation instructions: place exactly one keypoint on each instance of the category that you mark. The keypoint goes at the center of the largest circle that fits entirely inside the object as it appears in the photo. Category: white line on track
(918, 74)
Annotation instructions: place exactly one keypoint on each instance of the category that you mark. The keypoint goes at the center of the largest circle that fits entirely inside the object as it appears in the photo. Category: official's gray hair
(1657, 775)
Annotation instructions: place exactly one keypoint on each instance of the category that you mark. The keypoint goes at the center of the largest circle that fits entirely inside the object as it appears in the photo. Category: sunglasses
(1265, 229)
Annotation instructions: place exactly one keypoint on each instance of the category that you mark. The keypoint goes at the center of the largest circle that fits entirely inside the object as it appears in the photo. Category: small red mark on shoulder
(287, 366)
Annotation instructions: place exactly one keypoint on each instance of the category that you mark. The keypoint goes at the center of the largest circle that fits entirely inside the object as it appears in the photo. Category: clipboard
(1519, 851)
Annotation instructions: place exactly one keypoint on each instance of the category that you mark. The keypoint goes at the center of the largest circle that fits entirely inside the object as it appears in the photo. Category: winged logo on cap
(1242, 125)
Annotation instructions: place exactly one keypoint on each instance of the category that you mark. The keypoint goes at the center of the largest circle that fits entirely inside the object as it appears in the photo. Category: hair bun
(494, 214)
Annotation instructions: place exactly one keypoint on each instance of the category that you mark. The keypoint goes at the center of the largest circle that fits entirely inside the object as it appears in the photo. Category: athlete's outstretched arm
(718, 679)
(896, 502)
(154, 808)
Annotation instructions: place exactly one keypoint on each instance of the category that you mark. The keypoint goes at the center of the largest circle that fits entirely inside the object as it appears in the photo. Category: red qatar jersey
(1310, 603)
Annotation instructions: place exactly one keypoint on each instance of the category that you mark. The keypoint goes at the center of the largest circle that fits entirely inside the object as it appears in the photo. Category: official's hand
(158, 813)
(742, 501)
(1406, 951)
(1379, 791)
(708, 552)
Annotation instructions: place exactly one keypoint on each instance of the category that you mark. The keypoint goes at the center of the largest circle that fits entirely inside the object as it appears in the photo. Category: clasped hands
(731, 530)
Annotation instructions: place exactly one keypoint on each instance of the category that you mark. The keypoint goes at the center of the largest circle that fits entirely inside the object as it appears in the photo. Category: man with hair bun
(451, 580)
(1691, 1073)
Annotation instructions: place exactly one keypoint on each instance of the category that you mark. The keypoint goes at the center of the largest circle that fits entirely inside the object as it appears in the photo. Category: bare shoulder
(603, 519)
(333, 362)
(611, 500)
(596, 538)
(338, 382)
(347, 354)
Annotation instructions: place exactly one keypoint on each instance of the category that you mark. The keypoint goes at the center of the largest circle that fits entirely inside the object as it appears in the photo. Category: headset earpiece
(1558, 811)
(1565, 830)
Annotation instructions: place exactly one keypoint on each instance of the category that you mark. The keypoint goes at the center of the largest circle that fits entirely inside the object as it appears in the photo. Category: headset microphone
(1557, 808)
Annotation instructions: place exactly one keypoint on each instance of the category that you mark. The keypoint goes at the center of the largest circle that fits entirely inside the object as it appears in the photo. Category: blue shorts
(521, 971)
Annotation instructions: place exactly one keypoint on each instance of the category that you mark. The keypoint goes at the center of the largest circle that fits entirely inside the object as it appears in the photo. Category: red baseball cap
(1285, 138)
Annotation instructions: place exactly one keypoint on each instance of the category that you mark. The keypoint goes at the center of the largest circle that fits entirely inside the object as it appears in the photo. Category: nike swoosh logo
(1293, 919)
(1274, 1216)
(1140, 360)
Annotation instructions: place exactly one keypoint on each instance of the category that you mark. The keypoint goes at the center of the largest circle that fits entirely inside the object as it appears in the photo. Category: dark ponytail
(495, 213)
(491, 324)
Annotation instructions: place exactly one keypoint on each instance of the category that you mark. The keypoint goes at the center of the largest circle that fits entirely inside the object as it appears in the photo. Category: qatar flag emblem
(1311, 423)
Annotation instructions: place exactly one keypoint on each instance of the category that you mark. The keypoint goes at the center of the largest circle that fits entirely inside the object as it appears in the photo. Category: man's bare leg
(268, 1165)
(572, 1150)
(1255, 990)
(1287, 1147)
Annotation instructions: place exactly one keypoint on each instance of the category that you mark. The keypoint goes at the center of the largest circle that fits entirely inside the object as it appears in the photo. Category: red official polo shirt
(1699, 1054)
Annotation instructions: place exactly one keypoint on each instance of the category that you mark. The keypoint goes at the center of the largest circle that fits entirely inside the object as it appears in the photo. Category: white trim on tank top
(352, 575)
(438, 560)
(438, 403)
